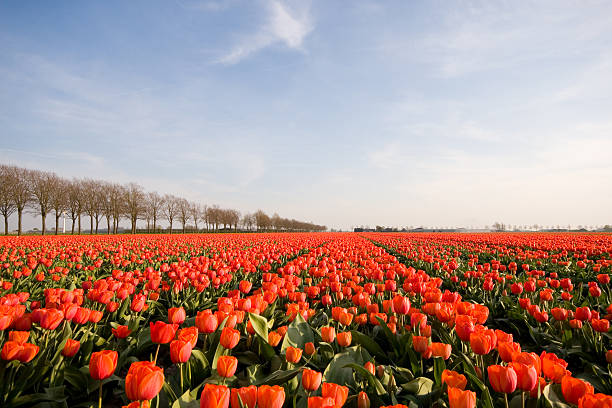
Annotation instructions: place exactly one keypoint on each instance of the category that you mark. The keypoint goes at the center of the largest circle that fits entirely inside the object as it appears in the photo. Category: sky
(393, 113)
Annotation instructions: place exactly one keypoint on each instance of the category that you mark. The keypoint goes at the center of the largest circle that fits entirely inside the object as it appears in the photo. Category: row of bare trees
(46, 194)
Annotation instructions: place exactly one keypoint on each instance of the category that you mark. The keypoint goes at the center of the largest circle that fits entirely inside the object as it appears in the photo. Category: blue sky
(436, 113)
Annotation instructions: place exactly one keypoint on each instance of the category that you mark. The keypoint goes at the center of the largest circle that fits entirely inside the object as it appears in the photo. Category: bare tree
(183, 212)
(248, 221)
(91, 202)
(155, 203)
(234, 218)
(170, 209)
(7, 186)
(134, 198)
(75, 203)
(116, 195)
(42, 185)
(59, 200)
(196, 212)
(106, 204)
(261, 220)
(214, 216)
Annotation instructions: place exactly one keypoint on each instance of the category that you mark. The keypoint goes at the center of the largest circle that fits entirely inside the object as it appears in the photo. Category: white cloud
(285, 24)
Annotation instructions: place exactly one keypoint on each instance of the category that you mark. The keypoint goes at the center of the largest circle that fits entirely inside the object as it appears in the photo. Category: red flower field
(306, 320)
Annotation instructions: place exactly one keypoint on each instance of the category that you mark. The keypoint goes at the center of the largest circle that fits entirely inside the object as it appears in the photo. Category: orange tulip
(215, 396)
(507, 350)
(573, 389)
(176, 315)
(270, 396)
(143, 381)
(441, 350)
(189, 334)
(180, 351)
(420, 343)
(527, 376)
(226, 366)
(309, 348)
(19, 336)
(338, 392)
(453, 379)
(311, 379)
(121, 332)
(363, 401)
(328, 334)
(102, 364)
(320, 402)
(345, 339)
(206, 322)
(293, 354)
(248, 396)
(274, 338)
(553, 367)
(481, 343)
(461, 399)
(11, 350)
(503, 379)
(595, 401)
(71, 348)
(229, 338)
(162, 333)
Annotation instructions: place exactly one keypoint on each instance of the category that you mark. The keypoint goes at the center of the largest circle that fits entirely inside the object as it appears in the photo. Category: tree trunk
(57, 217)
(148, 226)
(44, 218)
(79, 233)
(154, 225)
(72, 229)
(19, 214)
(5, 225)
(91, 225)
(108, 227)
(170, 226)
(97, 223)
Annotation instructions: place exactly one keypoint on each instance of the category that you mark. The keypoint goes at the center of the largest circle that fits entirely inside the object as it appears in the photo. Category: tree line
(48, 195)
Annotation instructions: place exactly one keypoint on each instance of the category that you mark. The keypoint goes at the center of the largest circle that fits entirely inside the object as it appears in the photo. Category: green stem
(100, 396)
(156, 353)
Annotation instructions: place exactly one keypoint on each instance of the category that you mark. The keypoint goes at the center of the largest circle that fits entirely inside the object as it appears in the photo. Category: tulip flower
(19, 336)
(71, 348)
(553, 367)
(274, 338)
(344, 339)
(363, 401)
(226, 366)
(270, 396)
(461, 399)
(527, 376)
(309, 348)
(573, 389)
(328, 334)
(180, 351)
(215, 396)
(507, 350)
(595, 401)
(176, 315)
(162, 333)
(320, 402)
(206, 323)
(248, 396)
(453, 379)
(143, 381)
(338, 392)
(293, 354)
(121, 332)
(420, 343)
(441, 350)
(503, 379)
(311, 380)
(102, 364)
(229, 338)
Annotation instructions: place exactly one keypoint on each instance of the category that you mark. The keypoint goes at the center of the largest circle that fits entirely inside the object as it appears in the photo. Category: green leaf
(439, 367)
(260, 325)
(552, 393)
(279, 377)
(420, 386)
(369, 344)
(337, 371)
(374, 382)
(298, 334)
(186, 401)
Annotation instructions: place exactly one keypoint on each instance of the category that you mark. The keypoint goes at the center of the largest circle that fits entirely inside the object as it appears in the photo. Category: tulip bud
(363, 401)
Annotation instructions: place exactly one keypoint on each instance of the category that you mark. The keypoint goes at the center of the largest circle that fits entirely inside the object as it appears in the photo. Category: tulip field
(317, 320)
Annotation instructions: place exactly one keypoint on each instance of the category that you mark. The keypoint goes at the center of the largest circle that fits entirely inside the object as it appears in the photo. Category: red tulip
(573, 389)
(226, 366)
(328, 334)
(311, 380)
(441, 350)
(206, 323)
(102, 364)
(270, 396)
(502, 379)
(248, 396)
(176, 315)
(121, 332)
(71, 348)
(215, 396)
(338, 392)
(293, 354)
(453, 379)
(461, 399)
(143, 381)
(162, 333)
(180, 351)
(344, 339)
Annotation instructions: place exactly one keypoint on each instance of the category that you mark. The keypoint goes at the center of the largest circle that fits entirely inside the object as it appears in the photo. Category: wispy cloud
(285, 24)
